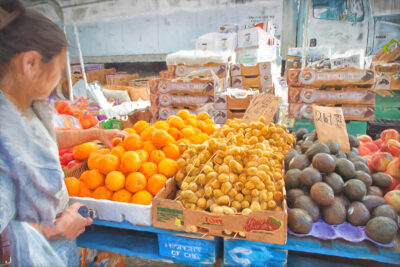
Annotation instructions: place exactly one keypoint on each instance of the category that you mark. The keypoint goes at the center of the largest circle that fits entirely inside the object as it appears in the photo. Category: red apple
(380, 160)
(363, 150)
(73, 163)
(364, 139)
(390, 134)
(372, 147)
(393, 147)
(378, 143)
(393, 168)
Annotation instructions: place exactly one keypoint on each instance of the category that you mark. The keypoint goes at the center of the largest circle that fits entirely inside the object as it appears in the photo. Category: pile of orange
(138, 166)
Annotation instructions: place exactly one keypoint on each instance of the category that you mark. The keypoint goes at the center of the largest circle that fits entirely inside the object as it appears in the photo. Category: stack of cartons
(120, 79)
(351, 89)
(252, 77)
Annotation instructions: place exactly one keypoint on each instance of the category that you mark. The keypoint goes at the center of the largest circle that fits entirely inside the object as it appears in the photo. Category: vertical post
(80, 56)
(305, 35)
(71, 90)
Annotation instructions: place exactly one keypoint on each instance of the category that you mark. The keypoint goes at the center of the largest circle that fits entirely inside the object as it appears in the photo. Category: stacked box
(121, 79)
(230, 105)
(351, 89)
(92, 74)
(252, 77)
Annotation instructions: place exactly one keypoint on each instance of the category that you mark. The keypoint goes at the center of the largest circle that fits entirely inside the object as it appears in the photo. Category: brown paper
(262, 105)
(330, 125)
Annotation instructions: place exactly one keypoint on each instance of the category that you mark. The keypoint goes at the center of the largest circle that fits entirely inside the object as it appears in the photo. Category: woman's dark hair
(27, 31)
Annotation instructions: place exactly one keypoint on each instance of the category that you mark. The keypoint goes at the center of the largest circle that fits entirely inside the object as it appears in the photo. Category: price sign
(330, 125)
(262, 105)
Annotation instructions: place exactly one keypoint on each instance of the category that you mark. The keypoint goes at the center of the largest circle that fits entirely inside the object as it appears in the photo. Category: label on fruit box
(262, 105)
(330, 125)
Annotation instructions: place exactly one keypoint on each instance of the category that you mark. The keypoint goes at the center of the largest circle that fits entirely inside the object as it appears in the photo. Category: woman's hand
(106, 136)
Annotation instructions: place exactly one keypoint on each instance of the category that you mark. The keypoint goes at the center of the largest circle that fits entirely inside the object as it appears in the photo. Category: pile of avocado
(323, 182)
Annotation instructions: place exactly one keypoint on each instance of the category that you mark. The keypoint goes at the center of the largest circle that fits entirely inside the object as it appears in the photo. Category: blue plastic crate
(188, 250)
(250, 253)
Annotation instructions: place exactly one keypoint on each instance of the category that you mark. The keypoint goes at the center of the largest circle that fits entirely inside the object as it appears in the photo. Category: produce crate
(353, 127)
(249, 253)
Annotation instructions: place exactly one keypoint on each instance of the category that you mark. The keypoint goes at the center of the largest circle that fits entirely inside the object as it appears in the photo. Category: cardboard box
(338, 77)
(350, 112)
(219, 69)
(236, 113)
(238, 103)
(76, 68)
(252, 37)
(387, 76)
(220, 116)
(186, 100)
(134, 92)
(258, 69)
(91, 76)
(200, 87)
(216, 41)
(121, 78)
(257, 81)
(342, 95)
(170, 214)
(220, 102)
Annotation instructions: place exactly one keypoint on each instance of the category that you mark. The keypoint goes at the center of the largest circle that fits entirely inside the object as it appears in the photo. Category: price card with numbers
(330, 125)
(262, 105)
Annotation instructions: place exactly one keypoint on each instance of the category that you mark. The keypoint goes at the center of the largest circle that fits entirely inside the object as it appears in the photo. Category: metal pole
(305, 36)
(71, 90)
(80, 56)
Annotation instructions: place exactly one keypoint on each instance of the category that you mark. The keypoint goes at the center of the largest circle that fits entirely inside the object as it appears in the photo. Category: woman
(33, 200)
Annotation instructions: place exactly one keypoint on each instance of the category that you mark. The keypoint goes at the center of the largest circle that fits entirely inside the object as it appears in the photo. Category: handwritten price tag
(330, 125)
(262, 105)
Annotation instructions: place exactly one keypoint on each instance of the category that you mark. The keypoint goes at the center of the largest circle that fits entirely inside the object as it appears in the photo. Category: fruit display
(324, 183)
(138, 166)
(237, 171)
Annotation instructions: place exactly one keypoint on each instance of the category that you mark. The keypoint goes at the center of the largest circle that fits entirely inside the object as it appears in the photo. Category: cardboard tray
(238, 103)
(387, 76)
(219, 69)
(135, 93)
(258, 69)
(170, 214)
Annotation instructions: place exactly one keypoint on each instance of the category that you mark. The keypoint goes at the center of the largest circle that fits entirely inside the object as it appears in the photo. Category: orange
(84, 175)
(161, 138)
(118, 151)
(156, 183)
(135, 182)
(148, 169)
(142, 197)
(194, 139)
(191, 122)
(203, 116)
(161, 125)
(115, 180)
(104, 151)
(168, 167)
(184, 114)
(102, 192)
(200, 125)
(132, 142)
(116, 141)
(156, 156)
(143, 155)
(140, 126)
(209, 121)
(93, 160)
(148, 146)
(203, 137)
(174, 132)
(130, 162)
(108, 163)
(93, 179)
(122, 195)
(171, 151)
(183, 144)
(130, 131)
(187, 132)
(73, 186)
(176, 122)
(147, 133)
(83, 151)
(209, 129)
(84, 191)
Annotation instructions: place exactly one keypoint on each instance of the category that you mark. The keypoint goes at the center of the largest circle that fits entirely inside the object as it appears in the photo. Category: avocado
(306, 145)
(310, 176)
(292, 195)
(354, 142)
(382, 180)
(299, 221)
(360, 166)
(355, 158)
(324, 162)
(341, 155)
(345, 168)
(381, 229)
(288, 157)
(315, 149)
(335, 182)
(300, 133)
(334, 213)
(371, 202)
(375, 191)
(299, 162)
(358, 214)
(385, 211)
(322, 193)
(292, 178)
(365, 177)
(333, 146)
(354, 152)
(298, 148)
(306, 203)
(345, 201)
(354, 189)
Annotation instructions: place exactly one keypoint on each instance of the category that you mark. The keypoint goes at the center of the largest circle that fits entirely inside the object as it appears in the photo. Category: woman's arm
(73, 137)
